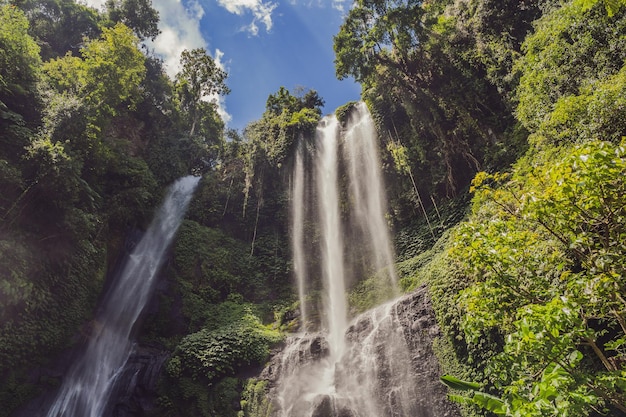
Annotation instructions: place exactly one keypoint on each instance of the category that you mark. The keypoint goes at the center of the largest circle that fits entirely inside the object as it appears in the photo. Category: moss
(254, 400)
(343, 112)
(371, 292)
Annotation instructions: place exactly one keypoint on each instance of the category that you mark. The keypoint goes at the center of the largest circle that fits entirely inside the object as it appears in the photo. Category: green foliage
(343, 112)
(137, 15)
(60, 26)
(131, 189)
(571, 50)
(19, 54)
(426, 232)
(107, 76)
(199, 78)
(417, 70)
(546, 271)
(113, 69)
(214, 353)
(254, 402)
(371, 30)
(212, 357)
(47, 295)
(287, 117)
(20, 66)
(371, 292)
(540, 320)
(612, 6)
(56, 173)
(598, 109)
(272, 267)
(209, 266)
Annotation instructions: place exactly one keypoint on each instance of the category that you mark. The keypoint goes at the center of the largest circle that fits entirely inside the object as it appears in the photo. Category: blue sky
(262, 44)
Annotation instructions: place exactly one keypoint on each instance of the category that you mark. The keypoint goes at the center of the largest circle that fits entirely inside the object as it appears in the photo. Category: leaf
(460, 399)
(612, 6)
(459, 384)
(586, 4)
(490, 402)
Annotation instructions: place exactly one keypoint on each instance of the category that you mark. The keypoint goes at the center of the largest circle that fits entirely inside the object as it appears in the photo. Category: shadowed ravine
(89, 382)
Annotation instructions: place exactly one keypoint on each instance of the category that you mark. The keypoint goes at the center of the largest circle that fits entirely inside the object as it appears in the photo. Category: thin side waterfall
(87, 386)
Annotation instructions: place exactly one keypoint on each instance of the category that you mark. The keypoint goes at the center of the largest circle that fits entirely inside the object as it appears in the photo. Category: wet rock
(323, 407)
(135, 393)
(388, 368)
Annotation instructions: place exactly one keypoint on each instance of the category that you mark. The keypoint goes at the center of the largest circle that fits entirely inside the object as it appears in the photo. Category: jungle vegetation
(502, 125)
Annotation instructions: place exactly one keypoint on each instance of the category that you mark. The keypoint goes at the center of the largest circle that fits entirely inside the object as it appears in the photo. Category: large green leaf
(459, 384)
(490, 402)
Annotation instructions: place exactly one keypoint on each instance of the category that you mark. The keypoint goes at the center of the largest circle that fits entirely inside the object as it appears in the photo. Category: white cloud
(339, 5)
(180, 30)
(221, 100)
(96, 4)
(261, 12)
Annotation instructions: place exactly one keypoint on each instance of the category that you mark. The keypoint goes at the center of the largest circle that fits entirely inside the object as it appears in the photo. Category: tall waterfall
(297, 232)
(368, 193)
(364, 368)
(335, 317)
(87, 386)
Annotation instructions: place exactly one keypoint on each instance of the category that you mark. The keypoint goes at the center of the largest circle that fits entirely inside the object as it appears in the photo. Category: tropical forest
(453, 244)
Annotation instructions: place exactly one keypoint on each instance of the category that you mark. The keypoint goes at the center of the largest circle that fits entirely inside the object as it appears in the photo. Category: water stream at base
(87, 385)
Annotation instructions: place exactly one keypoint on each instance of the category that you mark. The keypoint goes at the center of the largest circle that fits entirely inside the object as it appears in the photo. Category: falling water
(297, 233)
(86, 388)
(361, 148)
(338, 372)
(335, 317)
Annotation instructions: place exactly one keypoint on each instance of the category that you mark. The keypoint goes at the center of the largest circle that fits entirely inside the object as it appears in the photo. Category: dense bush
(204, 362)
(544, 253)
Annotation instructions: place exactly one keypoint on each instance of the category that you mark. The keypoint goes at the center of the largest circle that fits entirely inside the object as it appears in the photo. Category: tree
(571, 48)
(137, 15)
(199, 79)
(544, 255)
(284, 101)
(411, 62)
(19, 64)
(114, 69)
(377, 32)
(107, 75)
(612, 6)
(60, 26)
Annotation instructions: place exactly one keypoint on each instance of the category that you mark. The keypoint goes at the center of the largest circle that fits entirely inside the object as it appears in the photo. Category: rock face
(387, 369)
(419, 326)
(135, 394)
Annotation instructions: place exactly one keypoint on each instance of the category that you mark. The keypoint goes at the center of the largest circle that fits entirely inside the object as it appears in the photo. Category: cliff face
(388, 368)
(419, 326)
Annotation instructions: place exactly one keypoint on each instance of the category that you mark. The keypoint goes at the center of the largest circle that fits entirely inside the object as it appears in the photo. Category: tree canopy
(516, 105)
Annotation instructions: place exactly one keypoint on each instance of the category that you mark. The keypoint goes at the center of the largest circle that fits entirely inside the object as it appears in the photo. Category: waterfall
(368, 192)
(87, 386)
(365, 368)
(297, 232)
(335, 319)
